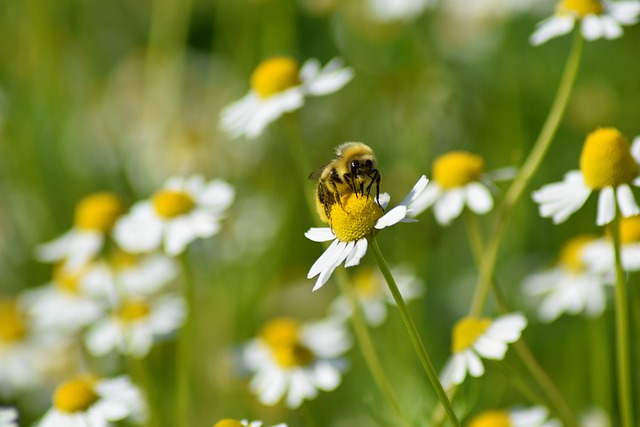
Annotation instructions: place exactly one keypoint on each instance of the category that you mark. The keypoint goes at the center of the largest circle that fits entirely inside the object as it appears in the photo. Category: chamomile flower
(135, 324)
(182, 211)
(457, 182)
(280, 85)
(292, 361)
(229, 422)
(572, 286)
(8, 417)
(597, 19)
(608, 165)
(536, 416)
(95, 216)
(600, 255)
(351, 223)
(95, 402)
(475, 337)
(374, 296)
(397, 10)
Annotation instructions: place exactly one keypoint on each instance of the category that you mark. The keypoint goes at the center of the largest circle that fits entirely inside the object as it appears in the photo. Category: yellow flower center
(227, 422)
(98, 212)
(75, 396)
(171, 203)
(133, 310)
(495, 418)
(606, 159)
(13, 326)
(571, 253)
(367, 283)
(65, 280)
(282, 336)
(275, 75)
(630, 230)
(467, 331)
(356, 218)
(581, 8)
(121, 259)
(457, 168)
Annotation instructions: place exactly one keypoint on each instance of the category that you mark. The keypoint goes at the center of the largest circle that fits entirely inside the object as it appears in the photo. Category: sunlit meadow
(162, 262)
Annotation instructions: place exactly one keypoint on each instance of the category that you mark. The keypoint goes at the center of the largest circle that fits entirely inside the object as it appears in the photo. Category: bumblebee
(352, 171)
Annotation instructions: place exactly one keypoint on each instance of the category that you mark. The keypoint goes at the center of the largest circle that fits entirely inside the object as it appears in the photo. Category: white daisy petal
(490, 349)
(552, 27)
(626, 201)
(478, 198)
(606, 206)
(591, 27)
(474, 364)
(323, 234)
(449, 205)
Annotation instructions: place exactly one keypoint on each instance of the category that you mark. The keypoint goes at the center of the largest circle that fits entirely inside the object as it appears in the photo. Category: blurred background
(121, 95)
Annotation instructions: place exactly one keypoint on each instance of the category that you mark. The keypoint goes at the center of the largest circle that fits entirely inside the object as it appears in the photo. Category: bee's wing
(316, 174)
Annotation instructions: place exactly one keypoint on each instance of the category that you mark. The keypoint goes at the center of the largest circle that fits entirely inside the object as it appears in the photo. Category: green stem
(522, 179)
(413, 331)
(184, 347)
(622, 332)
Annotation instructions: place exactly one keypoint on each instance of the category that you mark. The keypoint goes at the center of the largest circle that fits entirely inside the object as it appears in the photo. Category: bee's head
(358, 166)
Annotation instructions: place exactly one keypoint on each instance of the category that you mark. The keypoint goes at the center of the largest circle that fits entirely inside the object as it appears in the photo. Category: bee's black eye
(354, 166)
(368, 164)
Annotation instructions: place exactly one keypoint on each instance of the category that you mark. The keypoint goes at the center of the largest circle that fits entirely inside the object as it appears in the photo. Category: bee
(352, 171)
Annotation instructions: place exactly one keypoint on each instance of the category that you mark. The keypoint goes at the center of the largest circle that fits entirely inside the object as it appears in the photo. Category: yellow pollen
(227, 422)
(171, 203)
(630, 230)
(275, 75)
(495, 418)
(289, 356)
(367, 283)
(356, 218)
(98, 212)
(282, 336)
(131, 311)
(571, 253)
(581, 8)
(457, 168)
(467, 331)
(13, 326)
(606, 159)
(75, 396)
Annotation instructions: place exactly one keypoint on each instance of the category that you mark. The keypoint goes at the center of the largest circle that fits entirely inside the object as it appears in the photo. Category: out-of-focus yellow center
(630, 230)
(467, 331)
(367, 283)
(581, 8)
(356, 218)
(228, 422)
(282, 336)
(121, 259)
(65, 280)
(457, 168)
(571, 253)
(495, 418)
(98, 212)
(133, 310)
(170, 203)
(13, 325)
(606, 159)
(275, 75)
(75, 395)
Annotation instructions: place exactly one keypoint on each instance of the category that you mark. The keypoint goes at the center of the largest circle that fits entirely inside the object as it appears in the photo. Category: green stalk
(184, 354)
(522, 179)
(622, 332)
(413, 331)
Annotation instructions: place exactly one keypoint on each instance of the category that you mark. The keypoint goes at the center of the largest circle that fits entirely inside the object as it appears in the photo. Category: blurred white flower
(597, 19)
(536, 416)
(8, 417)
(90, 401)
(573, 285)
(182, 211)
(475, 337)
(600, 255)
(279, 85)
(397, 10)
(608, 165)
(351, 223)
(293, 361)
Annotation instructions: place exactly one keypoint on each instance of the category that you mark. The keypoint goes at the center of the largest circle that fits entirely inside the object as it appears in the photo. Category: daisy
(292, 361)
(572, 286)
(280, 85)
(228, 422)
(597, 19)
(600, 255)
(8, 417)
(374, 295)
(607, 165)
(95, 216)
(475, 337)
(536, 416)
(183, 210)
(457, 181)
(90, 401)
(135, 324)
(351, 223)
(397, 10)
